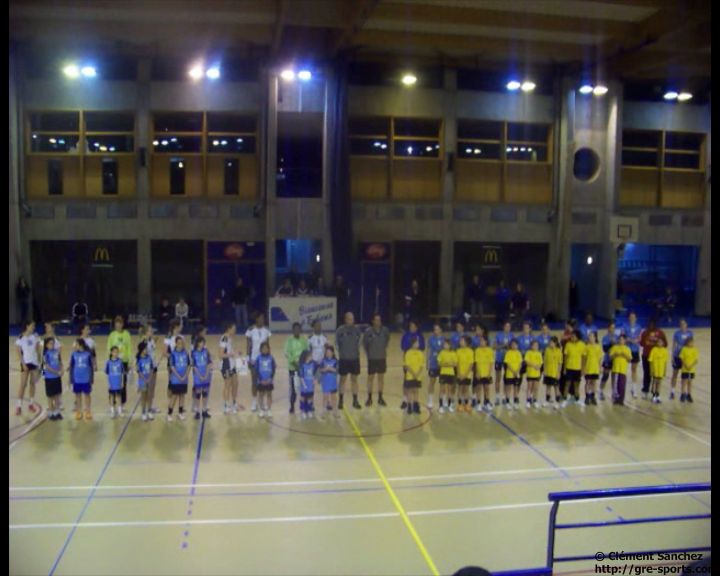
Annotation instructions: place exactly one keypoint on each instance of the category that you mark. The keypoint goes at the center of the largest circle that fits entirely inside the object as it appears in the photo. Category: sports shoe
(18, 410)
(528, 404)
(197, 416)
(672, 395)
(489, 406)
(144, 417)
(226, 409)
(120, 411)
(88, 415)
(451, 408)
(429, 404)
(154, 411)
(409, 410)
(113, 413)
(78, 415)
(181, 416)
(602, 396)
(234, 409)
(633, 393)
(479, 407)
(416, 408)
(356, 405)
(368, 402)
(59, 417)
(206, 414)
(253, 407)
(441, 410)
(564, 403)
(689, 398)
(497, 401)
(644, 395)
(169, 417)
(32, 407)
(536, 404)
(268, 414)
(403, 405)
(150, 415)
(381, 401)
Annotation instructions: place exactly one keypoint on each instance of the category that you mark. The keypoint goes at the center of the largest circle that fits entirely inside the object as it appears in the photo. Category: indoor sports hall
(359, 287)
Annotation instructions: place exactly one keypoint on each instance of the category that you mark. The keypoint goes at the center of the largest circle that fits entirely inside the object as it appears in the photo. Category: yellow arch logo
(491, 257)
(102, 254)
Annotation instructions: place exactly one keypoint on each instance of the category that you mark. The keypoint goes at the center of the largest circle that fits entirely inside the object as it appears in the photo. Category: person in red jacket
(648, 340)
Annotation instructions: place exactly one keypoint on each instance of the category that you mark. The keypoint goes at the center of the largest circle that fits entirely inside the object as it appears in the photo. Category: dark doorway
(416, 261)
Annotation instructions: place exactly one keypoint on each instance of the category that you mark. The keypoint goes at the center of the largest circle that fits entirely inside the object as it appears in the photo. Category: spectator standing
(502, 303)
(520, 304)
(22, 293)
(342, 293)
(414, 308)
(182, 312)
(475, 296)
(240, 298)
(320, 288)
(165, 313)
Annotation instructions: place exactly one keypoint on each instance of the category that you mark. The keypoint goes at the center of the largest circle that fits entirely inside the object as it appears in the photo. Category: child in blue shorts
(306, 368)
(115, 370)
(145, 368)
(202, 375)
(328, 380)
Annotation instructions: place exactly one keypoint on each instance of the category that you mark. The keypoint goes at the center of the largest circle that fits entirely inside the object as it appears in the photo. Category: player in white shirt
(256, 336)
(151, 348)
(317, 343)
(229, 371)
(29, 352)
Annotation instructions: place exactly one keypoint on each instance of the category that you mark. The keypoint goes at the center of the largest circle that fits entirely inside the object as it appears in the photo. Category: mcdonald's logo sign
(102, 254)
(491, 257)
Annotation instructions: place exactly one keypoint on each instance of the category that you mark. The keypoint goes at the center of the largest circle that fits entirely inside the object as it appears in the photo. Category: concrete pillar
(270, 170)
(447, 245)
(143, 119)
(14, 223)
(703, 288)
(330, 121)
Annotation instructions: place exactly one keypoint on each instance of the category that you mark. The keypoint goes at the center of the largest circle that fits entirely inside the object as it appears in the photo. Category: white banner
(284, 311)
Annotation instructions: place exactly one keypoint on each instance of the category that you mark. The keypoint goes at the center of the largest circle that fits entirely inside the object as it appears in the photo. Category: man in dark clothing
(502, 303)
(342, 293)
(22, 293)
(165, 313)
(520, 304)
(239, 301)
(475, 296)
(414, 306)
(375, 341)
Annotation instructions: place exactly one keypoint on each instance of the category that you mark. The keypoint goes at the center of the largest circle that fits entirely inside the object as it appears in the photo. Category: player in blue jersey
(202, 376)
(502, 344)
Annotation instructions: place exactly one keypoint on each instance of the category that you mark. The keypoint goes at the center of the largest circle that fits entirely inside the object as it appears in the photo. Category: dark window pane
(177, 176)
(368, 147)
(417, 127)
(689, 161)
(47, 143)
(633, 158)
(230, 123)
(55, 121)
(169, 143)
(414, 149)
(526, 153)
(238, 145)
(232, 177)
(109, 176)
(479, 130)
(641, 139)
(109, 122)
(178, 122)
(103, 144)
(478, 151)
(299, 155)
(683, 141)
(528, 132)
(370, 126)
(55, 177)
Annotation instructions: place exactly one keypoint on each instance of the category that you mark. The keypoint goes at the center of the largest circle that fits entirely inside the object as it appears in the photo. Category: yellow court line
(393, 497)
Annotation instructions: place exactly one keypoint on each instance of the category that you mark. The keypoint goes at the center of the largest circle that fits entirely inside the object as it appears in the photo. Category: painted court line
(393, 496)
(323, 518)
(521, 471)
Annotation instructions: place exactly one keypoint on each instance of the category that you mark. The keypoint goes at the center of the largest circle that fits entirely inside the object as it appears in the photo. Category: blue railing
(557, 497)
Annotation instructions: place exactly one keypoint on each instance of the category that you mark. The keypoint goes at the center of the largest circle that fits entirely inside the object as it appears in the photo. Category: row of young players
(564, 362)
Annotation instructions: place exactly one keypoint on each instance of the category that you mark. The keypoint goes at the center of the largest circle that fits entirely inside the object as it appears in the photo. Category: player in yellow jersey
(447, 361)
(620, 356)
(414, 367)
(484, 363)
(593, 365)
(658, 360)
(513, 364)
(552, 368)
(465, 361)
(688, 364)
(573, 366)
(533, 368)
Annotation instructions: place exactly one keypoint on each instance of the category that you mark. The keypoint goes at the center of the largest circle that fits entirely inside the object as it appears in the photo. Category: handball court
(374, 492)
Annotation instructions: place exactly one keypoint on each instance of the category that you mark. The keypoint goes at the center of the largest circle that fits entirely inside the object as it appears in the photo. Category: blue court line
(196, 468)
(94, 489)
(529, 445)
(170, 495)
(630, 456)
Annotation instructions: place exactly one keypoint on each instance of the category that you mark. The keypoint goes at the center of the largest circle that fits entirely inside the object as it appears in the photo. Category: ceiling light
(34, 136)
(304, 75)
(196, 72)
(527, 86)
(52, 141)
(384, 146)
(103, 148)
(409, 149)
(468, 150)
(61, 141)
(71, 71)
(155, 143)
(216, 142)
(89, 71)
(409, 79)
(684, 96)
(508, 149)
(522, 149)
(477, 150)
(513, 85)
(239, 140)
(671, 95)
(288, 75)
(213, 73)
(112, 148)
(164, 142)
(181, 165)
(173, 139)
(515, 148)
(585, 89)
(428, 148)
(600, 90)
(589, 260)
(224, 142)
(376, 144)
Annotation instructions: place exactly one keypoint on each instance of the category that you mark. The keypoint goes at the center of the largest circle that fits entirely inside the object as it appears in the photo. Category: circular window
(586, 165)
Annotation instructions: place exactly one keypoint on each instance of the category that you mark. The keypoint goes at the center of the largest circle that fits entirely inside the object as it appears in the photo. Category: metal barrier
(557, 497)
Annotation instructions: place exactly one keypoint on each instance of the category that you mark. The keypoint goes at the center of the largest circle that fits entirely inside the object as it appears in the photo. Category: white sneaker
(633, 393)
(429, 404)
(536, 405)
(181, 416)
(451, 408)
(144, 417)
(556, 406)
(563, 404)
(169, 417)
(268, 413)
(478, 407)
(528, 404)
(645, 395)
(150, 416)
(112, 412)
(234, 409)
(119, 411)
(254, 407)
(441, 410)
(226, 410)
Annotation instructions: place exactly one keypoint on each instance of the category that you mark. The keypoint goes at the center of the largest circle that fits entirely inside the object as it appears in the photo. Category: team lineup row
(463, 365)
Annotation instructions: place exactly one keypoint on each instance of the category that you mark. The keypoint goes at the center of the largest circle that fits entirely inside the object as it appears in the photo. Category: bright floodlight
(288, 75)
(213, 73)
(527, 86)
(409, 79)
(671, 95)
(513, 85)
(71, 71)
(88, 71)
(304, 75)
(600, 90)
(586, 89)
(196, 72)
(589, 260)
(684, 96)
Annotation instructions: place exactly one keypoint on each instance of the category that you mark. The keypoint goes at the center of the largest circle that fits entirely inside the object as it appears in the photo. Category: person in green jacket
(294, 347)
(121, 338)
